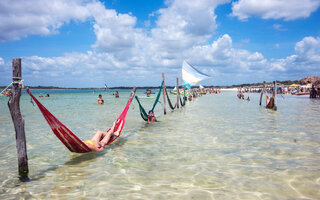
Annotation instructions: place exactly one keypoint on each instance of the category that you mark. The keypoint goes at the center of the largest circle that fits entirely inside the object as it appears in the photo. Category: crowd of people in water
(7, 92)
(151, 115)
(312, 90)
(100, 100)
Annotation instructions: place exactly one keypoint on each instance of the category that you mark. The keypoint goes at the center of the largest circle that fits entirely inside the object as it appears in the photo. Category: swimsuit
(90, 142)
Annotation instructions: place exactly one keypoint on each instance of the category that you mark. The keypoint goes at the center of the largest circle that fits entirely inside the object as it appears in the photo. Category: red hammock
(70, 140)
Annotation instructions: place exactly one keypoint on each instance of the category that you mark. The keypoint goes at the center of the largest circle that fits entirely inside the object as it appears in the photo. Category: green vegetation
(288, 82)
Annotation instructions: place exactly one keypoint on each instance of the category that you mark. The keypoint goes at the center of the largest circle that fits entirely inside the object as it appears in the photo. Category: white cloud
(1, 61)
(21, 18)
(274, 9)
(279, 27)
(220, 59)
(307, 57)
(308, 50)
(179, 26)
(185, 23)
(114, 31)
(305, 61)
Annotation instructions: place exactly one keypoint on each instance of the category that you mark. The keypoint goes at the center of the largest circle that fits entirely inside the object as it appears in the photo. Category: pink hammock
(70, 140)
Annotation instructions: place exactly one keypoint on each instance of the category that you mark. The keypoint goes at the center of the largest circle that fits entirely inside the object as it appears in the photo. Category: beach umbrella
(294, 85)
(310, 85)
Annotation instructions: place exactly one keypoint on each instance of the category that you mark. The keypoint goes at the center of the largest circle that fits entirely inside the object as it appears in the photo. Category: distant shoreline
(111, 88)
(288, 82)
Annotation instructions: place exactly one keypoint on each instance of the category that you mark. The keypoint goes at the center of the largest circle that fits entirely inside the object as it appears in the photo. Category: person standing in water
(100, 100)
(148, 92)
(117, 94)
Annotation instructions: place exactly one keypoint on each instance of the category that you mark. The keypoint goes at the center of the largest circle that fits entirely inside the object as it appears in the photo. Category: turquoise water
(217, 147)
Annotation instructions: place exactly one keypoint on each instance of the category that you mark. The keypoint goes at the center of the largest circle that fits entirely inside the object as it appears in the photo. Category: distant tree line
(288, 82)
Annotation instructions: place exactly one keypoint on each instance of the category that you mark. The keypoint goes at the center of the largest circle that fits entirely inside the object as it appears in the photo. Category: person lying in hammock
(151, 117)
(100, 139)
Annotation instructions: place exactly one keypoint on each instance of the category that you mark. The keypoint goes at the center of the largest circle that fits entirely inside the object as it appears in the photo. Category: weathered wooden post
(184, 89)
(274, 95)
(18, 122)
(178, 93)
(164, 95)
(262, 91)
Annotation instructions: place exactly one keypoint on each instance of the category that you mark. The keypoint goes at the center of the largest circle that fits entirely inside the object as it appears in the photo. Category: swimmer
(151, 117)
(148, 92)
(100, 100)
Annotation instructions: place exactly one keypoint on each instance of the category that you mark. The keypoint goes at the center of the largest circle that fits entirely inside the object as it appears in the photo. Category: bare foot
(117, 133)
(113, 126)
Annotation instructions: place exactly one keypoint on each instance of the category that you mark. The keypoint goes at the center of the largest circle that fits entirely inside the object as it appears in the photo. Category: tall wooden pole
(274, 95)
(18, 122)
(178, 93)
(262, 91)
(184, 89)
(164, 96)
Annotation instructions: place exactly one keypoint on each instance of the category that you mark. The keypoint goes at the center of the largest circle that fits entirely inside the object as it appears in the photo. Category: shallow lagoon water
(217, 147)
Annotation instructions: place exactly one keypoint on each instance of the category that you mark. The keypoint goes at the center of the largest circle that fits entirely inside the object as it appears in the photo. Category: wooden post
(18, 122)
(274, 94)
(164, 96)
(184, 89)
(178, 93)
(262, 91)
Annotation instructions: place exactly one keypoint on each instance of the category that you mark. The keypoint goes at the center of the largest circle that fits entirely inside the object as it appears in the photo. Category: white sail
(191, 76)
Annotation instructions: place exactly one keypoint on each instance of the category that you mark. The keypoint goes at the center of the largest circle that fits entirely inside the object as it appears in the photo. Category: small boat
(147, 97)
(181, 92)
(303, 93)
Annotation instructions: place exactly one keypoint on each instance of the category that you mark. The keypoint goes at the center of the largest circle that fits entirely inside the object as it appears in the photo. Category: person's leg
(93, 144)
(117, 133)
(106, 139)
(111, 133)
(97, 137)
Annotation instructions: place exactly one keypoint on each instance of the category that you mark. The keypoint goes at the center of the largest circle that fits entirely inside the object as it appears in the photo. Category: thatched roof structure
(314, 80)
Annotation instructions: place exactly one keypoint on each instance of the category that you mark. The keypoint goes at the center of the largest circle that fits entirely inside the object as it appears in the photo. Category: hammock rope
(169, 101)
(69, 139)
(184, 101)
(271, 104)
(19, 81)
(143, 112)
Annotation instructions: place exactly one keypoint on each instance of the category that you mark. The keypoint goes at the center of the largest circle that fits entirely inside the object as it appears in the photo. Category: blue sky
(87, 43)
